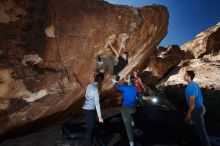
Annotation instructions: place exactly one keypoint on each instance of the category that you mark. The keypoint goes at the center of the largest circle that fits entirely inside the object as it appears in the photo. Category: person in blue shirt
(129, 93)
(196, 108)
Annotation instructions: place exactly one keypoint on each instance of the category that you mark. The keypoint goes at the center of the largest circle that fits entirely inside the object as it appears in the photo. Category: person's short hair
(99, 77)
(132, 79)
(191, 74)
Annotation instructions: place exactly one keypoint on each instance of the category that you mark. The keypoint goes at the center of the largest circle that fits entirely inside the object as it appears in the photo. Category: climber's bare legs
(105, 62)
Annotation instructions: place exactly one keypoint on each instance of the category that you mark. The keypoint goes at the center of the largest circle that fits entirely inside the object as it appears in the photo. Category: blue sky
(187, 17)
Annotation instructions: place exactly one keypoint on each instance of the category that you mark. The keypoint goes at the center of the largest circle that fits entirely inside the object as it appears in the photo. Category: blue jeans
(198, 120)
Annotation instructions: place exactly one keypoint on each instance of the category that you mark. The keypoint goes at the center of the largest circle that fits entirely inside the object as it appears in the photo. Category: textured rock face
(206, 70)
(164, 59)
(204, 43)
(48, 56)
(10, 11)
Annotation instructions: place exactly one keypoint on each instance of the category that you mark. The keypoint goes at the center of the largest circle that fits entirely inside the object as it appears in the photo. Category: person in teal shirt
(196, 109)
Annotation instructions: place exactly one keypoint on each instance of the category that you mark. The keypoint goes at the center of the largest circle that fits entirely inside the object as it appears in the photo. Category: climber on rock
(122, 61)
(114, 67)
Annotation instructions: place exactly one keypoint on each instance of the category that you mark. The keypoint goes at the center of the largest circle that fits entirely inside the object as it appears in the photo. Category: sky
(187, 18)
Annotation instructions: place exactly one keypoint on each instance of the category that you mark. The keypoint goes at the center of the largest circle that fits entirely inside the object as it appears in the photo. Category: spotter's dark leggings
(90, 124)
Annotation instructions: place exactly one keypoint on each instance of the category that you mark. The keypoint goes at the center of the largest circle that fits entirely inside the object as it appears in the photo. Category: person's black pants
(90, 123)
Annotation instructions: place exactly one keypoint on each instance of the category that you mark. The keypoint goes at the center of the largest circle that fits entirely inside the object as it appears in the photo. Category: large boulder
(164, 59)
(47, 53)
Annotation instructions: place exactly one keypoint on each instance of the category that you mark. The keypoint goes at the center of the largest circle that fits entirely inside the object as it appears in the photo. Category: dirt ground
(50, 136)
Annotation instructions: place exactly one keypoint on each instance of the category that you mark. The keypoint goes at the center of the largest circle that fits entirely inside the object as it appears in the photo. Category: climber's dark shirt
(120, 65)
